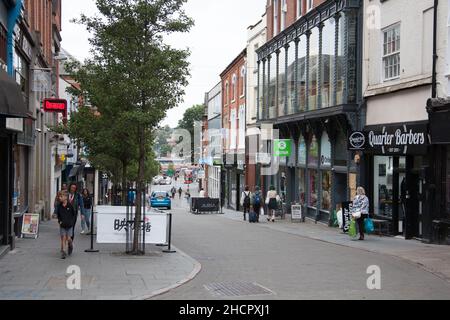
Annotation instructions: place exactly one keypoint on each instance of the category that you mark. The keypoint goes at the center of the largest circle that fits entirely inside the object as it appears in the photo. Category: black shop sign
(391, 140)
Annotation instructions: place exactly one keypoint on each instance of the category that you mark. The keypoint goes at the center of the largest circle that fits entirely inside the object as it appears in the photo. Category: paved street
(288, 265)
(34, 270)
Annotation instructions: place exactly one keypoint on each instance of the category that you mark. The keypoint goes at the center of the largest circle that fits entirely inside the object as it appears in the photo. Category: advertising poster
(30, 225)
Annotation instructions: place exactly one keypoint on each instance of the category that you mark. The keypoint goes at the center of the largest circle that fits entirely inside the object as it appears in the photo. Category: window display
(326, 190)
(313, 188)
(302, 186)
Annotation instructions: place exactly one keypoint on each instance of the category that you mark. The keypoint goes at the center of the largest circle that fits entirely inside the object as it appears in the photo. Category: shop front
(395, 157)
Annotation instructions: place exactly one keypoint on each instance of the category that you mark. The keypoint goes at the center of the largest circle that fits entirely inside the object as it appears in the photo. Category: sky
(219, 35)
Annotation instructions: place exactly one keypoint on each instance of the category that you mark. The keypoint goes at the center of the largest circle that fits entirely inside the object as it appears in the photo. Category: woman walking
(272, 200)
(360, 210)
(86, 212)
(246, 201)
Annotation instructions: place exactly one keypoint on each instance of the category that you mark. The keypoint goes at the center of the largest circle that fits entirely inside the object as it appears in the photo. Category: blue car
(160, 199)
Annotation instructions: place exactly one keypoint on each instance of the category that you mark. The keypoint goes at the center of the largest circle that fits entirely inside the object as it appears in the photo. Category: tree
(147, 75)
(190, 117)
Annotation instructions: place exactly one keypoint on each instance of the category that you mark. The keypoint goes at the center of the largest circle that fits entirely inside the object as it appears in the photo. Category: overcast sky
(219, 35)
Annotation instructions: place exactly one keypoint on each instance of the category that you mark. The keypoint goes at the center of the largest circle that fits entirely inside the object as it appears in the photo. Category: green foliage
(133, 79)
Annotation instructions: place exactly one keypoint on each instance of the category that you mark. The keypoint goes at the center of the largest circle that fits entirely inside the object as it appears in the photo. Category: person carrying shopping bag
(272, 200)
(360, 210)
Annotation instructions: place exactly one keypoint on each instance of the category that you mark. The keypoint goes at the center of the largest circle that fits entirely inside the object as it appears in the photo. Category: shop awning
(76, 170)
(12, 104)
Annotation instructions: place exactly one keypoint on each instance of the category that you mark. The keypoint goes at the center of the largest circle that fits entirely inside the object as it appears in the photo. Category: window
(302, 186)
(275, 17)
(309, 5)
(391, 53)
(291, 80)
(281, 82)
(302, 64)
(242, 83)
(283, 14)
(326, 191)
(328, 63)
(313, 69)
(313, 154)
(234, 88)
(227, 93)
(299, 8)
(313, 188)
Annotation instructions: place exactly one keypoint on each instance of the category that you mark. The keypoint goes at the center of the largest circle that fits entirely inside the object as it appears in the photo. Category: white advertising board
(112, 228)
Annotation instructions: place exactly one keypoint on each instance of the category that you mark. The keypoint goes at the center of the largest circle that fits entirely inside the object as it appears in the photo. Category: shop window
(313, 188)
(281, 82)
(301, 82)
(325, 151)
(313, 154)
(328, 62)
(302, 186)
(291, 80)
(273, 88)
(313, 69)
(341, 63)
(302, 151)
(383, 186)
(326, 190)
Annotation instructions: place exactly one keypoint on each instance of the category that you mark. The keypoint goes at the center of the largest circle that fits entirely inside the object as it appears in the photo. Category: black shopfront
(309, 90)
(395, 159)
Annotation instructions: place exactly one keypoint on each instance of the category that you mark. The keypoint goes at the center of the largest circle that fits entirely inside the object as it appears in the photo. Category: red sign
(55, 105)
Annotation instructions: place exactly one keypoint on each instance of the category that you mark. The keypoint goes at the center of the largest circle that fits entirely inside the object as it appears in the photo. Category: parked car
(166, 181)
(157, 180)
(160, 199)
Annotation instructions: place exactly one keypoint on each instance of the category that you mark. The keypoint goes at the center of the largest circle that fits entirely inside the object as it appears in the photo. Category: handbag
(356, 215)
(368, 225)
(267, 200)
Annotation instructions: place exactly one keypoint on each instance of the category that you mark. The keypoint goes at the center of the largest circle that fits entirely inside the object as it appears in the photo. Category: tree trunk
(140, 188)
(124, 183)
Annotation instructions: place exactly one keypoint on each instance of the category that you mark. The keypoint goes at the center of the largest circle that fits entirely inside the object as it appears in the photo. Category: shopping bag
(352, 230)
(368, 225)
(261, 211)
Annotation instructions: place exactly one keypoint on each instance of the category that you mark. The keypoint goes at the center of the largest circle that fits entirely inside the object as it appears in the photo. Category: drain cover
(237, 289)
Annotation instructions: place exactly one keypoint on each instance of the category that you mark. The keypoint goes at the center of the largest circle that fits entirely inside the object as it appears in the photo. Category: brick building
(29, 43)
(234, 122)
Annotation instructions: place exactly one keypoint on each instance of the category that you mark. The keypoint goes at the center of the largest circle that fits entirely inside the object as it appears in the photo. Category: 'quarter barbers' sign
(391, 140)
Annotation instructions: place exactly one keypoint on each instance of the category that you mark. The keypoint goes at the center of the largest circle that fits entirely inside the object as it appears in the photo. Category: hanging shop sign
(282, 148)
(391, 140)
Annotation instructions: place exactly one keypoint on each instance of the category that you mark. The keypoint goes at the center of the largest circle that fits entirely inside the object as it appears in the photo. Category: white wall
(403, 106)
(416, 28)
(256, 39)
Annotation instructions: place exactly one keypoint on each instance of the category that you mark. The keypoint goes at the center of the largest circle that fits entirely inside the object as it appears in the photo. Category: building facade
(396, 87)
(308, 91)
(257, 37)
(213, 160)
(233, 80)
(29, 45)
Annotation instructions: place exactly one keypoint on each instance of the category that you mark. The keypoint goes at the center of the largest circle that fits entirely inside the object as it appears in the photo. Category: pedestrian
(173, 191)
(360, 210)
(76, 201)
(257, 201)
(202, 193)
(188, 196)
(86, 212)
(66, 219)
(180, 192)
(272, 200)
(246, 201)
(57, 201)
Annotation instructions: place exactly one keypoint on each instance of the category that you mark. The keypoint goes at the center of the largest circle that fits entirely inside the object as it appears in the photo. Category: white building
(397, 83)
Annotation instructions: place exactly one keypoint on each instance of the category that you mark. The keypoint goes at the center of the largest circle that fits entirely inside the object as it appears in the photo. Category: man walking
(246, 201)
(257, 201)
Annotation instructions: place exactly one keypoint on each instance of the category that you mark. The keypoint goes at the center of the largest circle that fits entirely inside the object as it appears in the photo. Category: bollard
(92, 250)
(169, 249)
